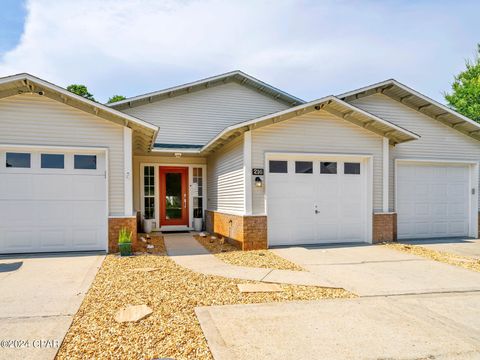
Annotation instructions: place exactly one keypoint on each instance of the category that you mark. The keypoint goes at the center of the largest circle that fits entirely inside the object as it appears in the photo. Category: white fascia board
(414, 93)
(67, 93)
(320, 101)
(204, 81)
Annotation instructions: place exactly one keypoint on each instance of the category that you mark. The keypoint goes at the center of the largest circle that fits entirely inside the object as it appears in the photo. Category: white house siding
(438, 141)
(197, 117)
(157, 160)
(225, 178)
(318, 132)
(32, 119)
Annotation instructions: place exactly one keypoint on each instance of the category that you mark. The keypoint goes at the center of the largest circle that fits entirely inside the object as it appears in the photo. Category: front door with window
(173, 196)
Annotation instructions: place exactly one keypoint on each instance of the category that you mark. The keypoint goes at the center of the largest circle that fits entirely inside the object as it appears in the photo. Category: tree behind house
(465, 95)
(80, 90)
(116, 98)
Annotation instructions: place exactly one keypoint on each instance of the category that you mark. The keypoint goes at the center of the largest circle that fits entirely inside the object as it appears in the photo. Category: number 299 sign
(257, 171)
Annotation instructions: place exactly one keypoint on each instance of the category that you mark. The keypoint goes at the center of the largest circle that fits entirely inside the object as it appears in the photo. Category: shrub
(124, 236)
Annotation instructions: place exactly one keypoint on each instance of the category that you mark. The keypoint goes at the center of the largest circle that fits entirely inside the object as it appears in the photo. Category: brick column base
(114, 227)
(245, 232)
(384, 227)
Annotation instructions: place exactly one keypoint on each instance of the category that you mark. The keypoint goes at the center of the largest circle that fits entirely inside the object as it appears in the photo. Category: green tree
(80, 90)
(116, 98)
(465, 95)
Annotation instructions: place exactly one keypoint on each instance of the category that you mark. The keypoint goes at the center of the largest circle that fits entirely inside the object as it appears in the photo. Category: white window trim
(156, 192)
(366, 159)
(473, 185)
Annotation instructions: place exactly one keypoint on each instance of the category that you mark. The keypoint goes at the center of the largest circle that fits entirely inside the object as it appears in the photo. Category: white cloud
(306, 47)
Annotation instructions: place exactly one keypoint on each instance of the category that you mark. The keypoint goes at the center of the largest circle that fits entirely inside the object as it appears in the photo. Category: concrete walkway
(39, 296)
(187, 252)
(368, 270)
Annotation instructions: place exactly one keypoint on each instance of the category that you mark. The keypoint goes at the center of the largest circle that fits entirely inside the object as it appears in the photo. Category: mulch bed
(253, 258)
(172, 330)
(442, 256)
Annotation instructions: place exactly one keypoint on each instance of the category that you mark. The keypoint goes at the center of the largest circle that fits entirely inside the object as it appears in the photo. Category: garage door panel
(53, 237)
(18, 240)
(16, 186)
(51, 187)
(440, 205)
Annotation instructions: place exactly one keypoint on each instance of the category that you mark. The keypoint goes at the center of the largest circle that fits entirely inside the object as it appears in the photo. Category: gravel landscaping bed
(172, 292)
(442, 256)
(253, 258)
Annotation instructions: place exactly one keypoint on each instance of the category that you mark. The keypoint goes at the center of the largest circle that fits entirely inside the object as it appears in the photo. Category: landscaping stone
(132, 313)
(257, 288)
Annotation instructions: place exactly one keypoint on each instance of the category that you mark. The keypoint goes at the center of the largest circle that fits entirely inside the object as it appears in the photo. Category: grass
(173, 293)
(253, 258)
(441, 256)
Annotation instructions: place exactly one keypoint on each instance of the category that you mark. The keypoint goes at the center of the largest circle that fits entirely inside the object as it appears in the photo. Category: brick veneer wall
(245, 232)
(384, 227)
(114, 227)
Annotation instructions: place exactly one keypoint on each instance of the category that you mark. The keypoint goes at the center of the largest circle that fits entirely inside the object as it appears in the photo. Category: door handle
(185, 201)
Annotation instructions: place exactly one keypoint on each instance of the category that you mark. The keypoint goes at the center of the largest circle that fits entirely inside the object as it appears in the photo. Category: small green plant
(124, 236)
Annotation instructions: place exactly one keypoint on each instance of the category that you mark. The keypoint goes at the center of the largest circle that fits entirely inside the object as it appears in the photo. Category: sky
(307, 48)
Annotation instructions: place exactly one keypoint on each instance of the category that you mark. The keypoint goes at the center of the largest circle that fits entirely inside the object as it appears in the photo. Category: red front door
(173, 195)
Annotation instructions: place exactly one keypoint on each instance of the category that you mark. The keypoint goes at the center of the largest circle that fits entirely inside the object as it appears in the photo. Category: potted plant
(197, 219)
(125, 242)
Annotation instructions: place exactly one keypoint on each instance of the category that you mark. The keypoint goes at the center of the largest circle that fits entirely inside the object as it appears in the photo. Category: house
(263, 167)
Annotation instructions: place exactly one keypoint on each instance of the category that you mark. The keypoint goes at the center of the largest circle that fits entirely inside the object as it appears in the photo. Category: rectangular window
(149, 191)
(18, 160)
(197, 192)
(351, 168)
(278, 167)
(303, 167)
(328, 167)
(85, 162)
(52, 161)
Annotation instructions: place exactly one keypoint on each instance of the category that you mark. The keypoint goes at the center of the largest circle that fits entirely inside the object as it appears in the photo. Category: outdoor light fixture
(258, 181)
(177, 155)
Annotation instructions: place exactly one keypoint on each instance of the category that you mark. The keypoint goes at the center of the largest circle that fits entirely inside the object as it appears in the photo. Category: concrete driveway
(39, 296)
(409, 308)
(458, 246)
(440, 326)
(369, 270)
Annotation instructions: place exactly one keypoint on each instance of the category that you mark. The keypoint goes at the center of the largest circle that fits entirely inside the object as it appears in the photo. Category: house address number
(257, 171)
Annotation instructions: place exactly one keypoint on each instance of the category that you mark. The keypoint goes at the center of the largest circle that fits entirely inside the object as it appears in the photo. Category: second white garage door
(433, 200)
(52, 200)
(316, 200)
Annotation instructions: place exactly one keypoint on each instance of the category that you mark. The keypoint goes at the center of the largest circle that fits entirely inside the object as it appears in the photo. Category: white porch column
(385, 176)
(247, 171)
(128, 176)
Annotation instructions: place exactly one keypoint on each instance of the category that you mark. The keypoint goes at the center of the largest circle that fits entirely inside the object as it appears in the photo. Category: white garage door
(52, 201)
(316, 201)
(432, 200)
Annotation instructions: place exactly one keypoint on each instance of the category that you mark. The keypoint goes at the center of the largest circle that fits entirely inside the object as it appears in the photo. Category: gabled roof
(419, 102)
(236, 76)
(144, 133)
(331, 104)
